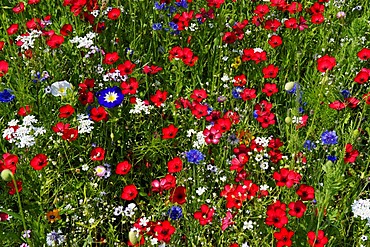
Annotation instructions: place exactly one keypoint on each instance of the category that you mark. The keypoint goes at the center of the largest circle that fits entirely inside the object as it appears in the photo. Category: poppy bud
(132, 237)
(6, 175)
(356, 133)
(288, 120)
(289, 86)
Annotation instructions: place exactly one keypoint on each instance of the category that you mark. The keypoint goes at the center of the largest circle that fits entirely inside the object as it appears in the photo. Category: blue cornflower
(175, 212)
(110, 97)
(236, 92)
(159, 6)
(345, 93)
(173, 26)
(157, 26)
(194, 156)
(332, 158)
(301, 110)
(329, 138)
(309, 145)
(6, 96)
(255, 115)
(233, 139)
(182, 3)
(294, 89)
(172, 10)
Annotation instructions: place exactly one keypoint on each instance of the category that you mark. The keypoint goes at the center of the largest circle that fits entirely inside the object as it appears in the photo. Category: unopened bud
(6, 175)
(132, 237)
(289, 86)
(288, 120)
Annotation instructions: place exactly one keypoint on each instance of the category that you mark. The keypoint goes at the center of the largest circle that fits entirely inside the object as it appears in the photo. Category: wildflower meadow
(215, 123)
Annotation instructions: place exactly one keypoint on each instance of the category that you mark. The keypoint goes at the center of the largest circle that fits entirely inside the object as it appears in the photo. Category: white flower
(85, 167)
(54, 238)
(264, 187)
(13, 122)
(248, 225)
(225, 78)
(201, 190)
(364, 238)
(60, 88)
(264, 165)
(143, 221)
(153, 241)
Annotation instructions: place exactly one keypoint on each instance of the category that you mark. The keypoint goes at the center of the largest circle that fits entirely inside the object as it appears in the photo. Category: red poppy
(30, 2)
(223, 124)
(55, 41)
(275, 41)
(111, 58)
(159, 98)
(169, 132)
(269, 89)
(248, 94)
(99, 114)
(306, 192)
(66, 30)
(34, 23)
(24, 111)
(9, 162)
(4, 67)
(164, 231)
(12, 29)
(70, 134)
(261, 10)
(259, 56)
(317, 8)
(318, 240)
(2, 43)
(97, 154)
(166, 183)
(19, 8)
(123, 168)
(12, 189)
(337, 105)
(283, 237)
(286, 177)
(266, 119)
(317, 18)
(66, 111)
(239, 80)
(114, 14)
(129, 192)
(151, 69)
(205, 214)
(291, 23)
(294, 7)
(239, 162)
(227, 221)
(351, 154)
(126, 68)
(364, 54)
(215, 3)
(276, 217)
(362, 77)
(174, 165)
(272, 25)
(39, 161)
(275, 143)
(275, 156)
(229, 38)
(247, 54)
(199, 110)
(297, 209)
(199, 95)
(178, 195)
(352, 102)
(4, 216)
(270, 71)
(325, 63)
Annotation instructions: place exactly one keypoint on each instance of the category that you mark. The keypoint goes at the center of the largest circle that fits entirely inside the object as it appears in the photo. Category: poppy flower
(24, 111)
(291, 23)
(97, 154)
(275, 41)
(55, 41)
(272, 25)
(364, 54)
(129, 192)
(114, 14)
(337, 105)
(12, 29)
(261, 10)
(12, 188)
(164, 231)
(9, 162)
(205, 215)
(66, 30)
(123, 168)
(248, 94)
(286, 177)
(229, 38)
(306, 192)
(351, 154)
(110, 58)
(19, 8)
(53, 216)
(238, 163)
(110, 97)
(212, 135)
(325, 63)
(269, 89)
(4, 216)
(39, 161)
(227, 221)
(98, 114)
(4, 67)
(362, 77)
(159, 98)
(174, 165)
(297, 209)
(178, 195)
(270, 71)
(66, 111)
(318, 240)
(276, 217)
(199, 95)
(126, 68)
(70, 134)
(151, 69)
(283, 237)
(317, 18)
(169, 132)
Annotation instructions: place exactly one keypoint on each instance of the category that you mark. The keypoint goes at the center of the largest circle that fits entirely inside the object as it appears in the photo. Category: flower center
(110, 97)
